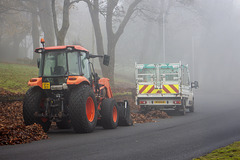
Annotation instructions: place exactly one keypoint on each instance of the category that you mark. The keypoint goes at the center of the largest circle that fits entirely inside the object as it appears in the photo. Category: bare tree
(15, 26)
(117, 18)
(45, 14)
(61, 34)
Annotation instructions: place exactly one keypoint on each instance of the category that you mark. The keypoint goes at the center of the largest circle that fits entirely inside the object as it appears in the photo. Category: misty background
(202, 33)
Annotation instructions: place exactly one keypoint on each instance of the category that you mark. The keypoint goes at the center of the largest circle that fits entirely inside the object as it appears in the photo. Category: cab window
(73, 58)
(85, 65)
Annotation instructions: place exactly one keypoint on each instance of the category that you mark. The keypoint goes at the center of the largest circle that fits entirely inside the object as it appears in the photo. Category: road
(215, 123)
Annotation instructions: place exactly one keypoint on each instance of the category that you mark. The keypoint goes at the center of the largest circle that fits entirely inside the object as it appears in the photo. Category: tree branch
(54, 18)
(129, 13)
(65, 23)
(76, 1)
(109, 17)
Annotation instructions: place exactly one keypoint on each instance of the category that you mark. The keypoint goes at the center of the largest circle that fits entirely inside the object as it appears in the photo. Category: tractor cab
(62, 63)
(58, 63)
(61, 66)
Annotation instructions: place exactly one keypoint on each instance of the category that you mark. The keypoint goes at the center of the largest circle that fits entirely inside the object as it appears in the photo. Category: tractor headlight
(40, 50)
(69, 48)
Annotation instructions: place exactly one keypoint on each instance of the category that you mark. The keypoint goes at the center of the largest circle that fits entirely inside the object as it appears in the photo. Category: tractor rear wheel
(34, 104)
(109, 112)
(124, 114)
(83, 109)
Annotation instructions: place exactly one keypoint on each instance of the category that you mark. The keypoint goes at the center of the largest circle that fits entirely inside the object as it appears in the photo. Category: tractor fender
(75, 80)
(35, 82)
(106, 84)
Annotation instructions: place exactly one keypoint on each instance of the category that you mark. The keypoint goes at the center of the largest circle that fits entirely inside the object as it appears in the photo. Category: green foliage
(14, 77)
(231, 152)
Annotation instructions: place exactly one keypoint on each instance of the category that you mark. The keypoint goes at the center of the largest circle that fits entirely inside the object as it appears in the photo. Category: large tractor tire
(124, 114)
(64, 124)
(83, 109)
(34, 103)
(109, 112)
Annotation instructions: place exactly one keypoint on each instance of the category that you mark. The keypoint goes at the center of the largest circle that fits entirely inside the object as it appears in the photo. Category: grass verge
(14, 77)
(230, 152)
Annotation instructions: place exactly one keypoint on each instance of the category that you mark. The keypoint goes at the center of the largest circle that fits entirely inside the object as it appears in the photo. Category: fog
(205, 35)
(202, 33)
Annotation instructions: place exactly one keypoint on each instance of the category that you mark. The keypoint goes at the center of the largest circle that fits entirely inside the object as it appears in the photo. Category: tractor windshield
(62, 63)
(55, 64)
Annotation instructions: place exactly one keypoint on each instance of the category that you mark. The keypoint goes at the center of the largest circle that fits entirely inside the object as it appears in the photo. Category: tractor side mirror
(194, 84)
(38, 62)
(106, 60)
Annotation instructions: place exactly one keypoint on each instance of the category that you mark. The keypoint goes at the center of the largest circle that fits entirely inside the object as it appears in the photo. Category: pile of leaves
(148, 117)
(12, 129)
(8, 96)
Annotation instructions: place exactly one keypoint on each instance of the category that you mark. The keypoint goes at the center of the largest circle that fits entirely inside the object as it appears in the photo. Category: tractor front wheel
(109, 112)
(83, 109)
(33, 105)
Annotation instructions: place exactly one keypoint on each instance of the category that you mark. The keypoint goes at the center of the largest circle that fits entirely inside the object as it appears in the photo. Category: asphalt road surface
(214, 124)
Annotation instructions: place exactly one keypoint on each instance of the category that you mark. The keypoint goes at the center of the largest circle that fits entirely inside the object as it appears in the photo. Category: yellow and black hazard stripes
(149, 89)
(170, 88)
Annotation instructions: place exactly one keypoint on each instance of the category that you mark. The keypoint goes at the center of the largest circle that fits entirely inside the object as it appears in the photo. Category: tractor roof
(75, 47)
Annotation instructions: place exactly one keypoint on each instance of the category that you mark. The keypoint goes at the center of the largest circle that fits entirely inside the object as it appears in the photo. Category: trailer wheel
(64, 124)
(83, 109)
(124, 114)
(110, 114)
(34, 103)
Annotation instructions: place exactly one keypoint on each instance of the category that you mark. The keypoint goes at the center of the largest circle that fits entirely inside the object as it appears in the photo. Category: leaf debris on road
(12, 128)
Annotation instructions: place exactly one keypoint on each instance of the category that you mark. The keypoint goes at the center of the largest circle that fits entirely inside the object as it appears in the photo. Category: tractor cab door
(85, 67)
(78, 64)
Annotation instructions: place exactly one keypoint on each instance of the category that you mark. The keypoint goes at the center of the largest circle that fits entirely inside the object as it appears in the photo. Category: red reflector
(33, 80)
(72, 79)
(177, 102)
(143, 102)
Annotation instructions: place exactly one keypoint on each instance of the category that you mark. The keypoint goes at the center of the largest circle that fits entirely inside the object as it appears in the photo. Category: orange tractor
(70, 93)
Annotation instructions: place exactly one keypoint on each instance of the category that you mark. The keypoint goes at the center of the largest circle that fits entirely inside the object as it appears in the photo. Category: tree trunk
(110, 69)
(61, 34)
(45, 14)
(112, 38)
(94, 12)
(35, 35)
(16, 42)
